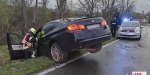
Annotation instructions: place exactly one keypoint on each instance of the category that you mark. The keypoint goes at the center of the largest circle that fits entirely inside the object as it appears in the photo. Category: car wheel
(94, 48)
(139, 38)
(118, 37)
(57, 53)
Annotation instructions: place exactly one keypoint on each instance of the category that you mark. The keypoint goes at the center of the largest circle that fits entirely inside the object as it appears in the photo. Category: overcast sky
(141, 5)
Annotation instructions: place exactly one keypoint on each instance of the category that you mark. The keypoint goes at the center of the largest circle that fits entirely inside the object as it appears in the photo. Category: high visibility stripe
(31, 38)
(26, 44)
(33, 54)
(25, 47)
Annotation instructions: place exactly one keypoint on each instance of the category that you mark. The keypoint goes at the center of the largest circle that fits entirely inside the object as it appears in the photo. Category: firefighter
(114, 26)
(28, 43)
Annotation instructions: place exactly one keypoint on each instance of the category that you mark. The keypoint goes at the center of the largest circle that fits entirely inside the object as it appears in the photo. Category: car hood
(128, 28)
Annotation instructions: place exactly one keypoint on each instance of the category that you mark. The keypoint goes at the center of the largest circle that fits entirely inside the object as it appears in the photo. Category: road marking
(63, 64)
(109, 43)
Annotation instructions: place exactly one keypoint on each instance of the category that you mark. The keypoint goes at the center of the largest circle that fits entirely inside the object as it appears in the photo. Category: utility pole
(142, 20)
(23, 29)
(35, 10)
(148, 17)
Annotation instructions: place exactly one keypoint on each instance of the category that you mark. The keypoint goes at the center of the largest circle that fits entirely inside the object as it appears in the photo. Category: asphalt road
(119, 58)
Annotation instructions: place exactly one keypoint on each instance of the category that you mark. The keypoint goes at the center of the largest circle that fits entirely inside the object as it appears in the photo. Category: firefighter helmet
(32, 30)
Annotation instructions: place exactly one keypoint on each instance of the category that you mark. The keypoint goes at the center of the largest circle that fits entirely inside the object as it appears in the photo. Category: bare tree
(29, 2)
(126, 8)
(126, 5)
(61, 6)
(23, 18)
(35, 10)
(45, 2)
(89, 6)
(15, 2)
(112, 8)
(108, 8)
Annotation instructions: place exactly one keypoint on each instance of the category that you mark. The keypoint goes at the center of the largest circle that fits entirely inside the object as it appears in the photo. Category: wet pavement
(119, 58)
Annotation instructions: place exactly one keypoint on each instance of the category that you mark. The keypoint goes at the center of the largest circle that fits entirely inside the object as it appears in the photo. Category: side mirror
(141, 27)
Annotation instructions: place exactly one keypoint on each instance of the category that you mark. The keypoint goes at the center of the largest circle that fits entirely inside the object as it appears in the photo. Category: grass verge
(18, 67)
(144, 23)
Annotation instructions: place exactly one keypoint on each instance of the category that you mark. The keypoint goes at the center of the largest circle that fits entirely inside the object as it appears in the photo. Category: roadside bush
(11, 19)
(4, 21)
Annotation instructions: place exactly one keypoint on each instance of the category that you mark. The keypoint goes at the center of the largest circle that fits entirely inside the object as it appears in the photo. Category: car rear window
(64, 21)
(73, 19)
(130, 24)
(48, 27)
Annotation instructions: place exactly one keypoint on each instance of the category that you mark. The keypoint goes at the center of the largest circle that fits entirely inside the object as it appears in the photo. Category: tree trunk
(35, 10)
(23, 18)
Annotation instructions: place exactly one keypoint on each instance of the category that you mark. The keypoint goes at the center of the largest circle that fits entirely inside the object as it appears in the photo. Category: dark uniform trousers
(113, 31)
(29, 51)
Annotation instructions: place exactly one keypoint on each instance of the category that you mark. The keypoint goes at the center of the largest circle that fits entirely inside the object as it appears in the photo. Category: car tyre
(118, 37)
(57, 53)
(139, 38)
(94, 48)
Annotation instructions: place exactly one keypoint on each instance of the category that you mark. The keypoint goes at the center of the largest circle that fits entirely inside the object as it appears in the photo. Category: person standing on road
(28, 42)
(114, 25)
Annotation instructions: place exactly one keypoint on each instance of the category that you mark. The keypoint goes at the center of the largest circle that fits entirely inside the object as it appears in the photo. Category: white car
(130, 29)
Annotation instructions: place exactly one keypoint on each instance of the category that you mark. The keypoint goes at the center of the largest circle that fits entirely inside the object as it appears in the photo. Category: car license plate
(128, 34)
(93, 26)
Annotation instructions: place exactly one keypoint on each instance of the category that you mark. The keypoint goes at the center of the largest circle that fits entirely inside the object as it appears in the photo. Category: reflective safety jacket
(28, 41)
(114, 23)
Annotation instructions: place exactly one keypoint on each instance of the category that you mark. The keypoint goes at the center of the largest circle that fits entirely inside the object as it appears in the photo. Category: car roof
(131, 21)
(66, 20)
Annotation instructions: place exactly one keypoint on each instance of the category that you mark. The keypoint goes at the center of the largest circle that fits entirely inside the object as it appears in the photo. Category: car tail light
(104, 23)
(76, 27)
(81, 26)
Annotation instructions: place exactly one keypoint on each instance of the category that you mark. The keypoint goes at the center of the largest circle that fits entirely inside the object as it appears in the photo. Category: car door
(15, 46)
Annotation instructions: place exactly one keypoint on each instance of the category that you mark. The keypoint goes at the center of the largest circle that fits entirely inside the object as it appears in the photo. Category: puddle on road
(127, 70)
(131, 47)
(125, 47)
(107, 52)
(140, 45)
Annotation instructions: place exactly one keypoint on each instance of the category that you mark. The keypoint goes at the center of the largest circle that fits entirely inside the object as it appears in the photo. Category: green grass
(112, 39)
(32, 65)
(23, 67)
(26, 67)
(76, 54)
(143, 23)
(4, 56)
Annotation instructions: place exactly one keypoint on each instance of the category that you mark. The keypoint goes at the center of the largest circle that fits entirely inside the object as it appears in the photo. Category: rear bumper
(95, 40)
(80, 43)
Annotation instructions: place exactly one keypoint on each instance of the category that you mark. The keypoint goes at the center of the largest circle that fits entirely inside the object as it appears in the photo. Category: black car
(59, 37)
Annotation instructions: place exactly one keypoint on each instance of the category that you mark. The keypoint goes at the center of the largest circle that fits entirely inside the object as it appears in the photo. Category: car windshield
(130, 24)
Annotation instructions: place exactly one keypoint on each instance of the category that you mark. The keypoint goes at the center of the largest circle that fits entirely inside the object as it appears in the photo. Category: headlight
(137, 30)
(120, 29)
